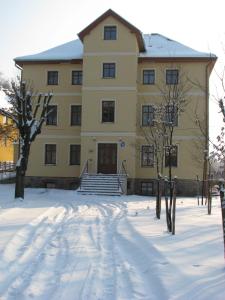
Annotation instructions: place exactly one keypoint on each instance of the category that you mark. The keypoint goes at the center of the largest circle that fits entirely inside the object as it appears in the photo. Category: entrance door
(107, 158)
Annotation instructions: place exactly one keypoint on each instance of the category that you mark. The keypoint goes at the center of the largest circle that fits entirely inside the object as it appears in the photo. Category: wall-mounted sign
(122, 144)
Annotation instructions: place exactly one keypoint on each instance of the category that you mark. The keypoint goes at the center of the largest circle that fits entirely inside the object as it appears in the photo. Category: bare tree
(29, 113)
(175, 99)
(154, 133)
(4, 83)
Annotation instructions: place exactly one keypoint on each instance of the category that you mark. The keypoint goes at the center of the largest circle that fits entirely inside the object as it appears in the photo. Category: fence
(7, 170)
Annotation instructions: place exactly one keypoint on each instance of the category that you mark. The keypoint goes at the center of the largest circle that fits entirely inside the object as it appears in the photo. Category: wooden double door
(107, 158)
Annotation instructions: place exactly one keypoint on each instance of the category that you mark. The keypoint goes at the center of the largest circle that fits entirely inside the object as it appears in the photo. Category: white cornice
(67, 94)
(112, 133)
(110, 54)
(57, 136)
(109, 88)
(201, 94)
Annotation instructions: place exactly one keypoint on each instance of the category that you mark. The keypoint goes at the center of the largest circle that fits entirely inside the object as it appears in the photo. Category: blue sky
(31, 26)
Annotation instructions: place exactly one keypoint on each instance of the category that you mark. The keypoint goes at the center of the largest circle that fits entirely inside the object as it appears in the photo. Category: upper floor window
(147, 156)
(74, 154)
(53, 77)
(148, 76)
(50, 154)
(77, 77)
(171, 153)
(171, 115)
(172, 76)
(110, 33)
(148, 113)
(108, 111)
(51, 115)
(109, 70)
(75, 115)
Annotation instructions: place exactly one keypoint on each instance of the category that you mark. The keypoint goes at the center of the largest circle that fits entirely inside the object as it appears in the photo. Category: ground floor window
(171, 154)
(74, 154)
(50, 154)
(147, 188)
(147, 156)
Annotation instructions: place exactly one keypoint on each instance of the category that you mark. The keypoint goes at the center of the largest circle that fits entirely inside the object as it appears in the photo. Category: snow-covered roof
(67, 51)
(156, 45)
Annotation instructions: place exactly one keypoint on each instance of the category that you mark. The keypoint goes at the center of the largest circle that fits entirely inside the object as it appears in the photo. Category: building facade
(8, 135)
(105, 86)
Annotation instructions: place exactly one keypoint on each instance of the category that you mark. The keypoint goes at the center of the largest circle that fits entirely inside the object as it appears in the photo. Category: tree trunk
(168, 215)
(222, 199)
(19, 188)
(158, 198)
(209, 192)
(174, 206)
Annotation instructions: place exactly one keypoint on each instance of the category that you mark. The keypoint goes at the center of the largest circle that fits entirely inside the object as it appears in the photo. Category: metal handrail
(85, 168)
(122, 171)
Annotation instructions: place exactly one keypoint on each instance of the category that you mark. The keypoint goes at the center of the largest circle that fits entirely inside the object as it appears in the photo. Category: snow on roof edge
(157, 46)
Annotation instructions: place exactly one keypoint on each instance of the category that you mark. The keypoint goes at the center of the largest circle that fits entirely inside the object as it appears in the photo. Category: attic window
(110, 33)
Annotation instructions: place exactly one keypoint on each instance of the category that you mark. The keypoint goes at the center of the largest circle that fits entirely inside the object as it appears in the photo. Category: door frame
(106, 142)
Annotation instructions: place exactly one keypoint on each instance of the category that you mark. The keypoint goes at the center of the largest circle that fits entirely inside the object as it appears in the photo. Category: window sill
(147, 167)
(108, 77)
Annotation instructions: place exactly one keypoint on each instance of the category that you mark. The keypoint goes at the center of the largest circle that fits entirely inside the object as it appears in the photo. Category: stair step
(99, 188)
(101, 184)
(110, 193)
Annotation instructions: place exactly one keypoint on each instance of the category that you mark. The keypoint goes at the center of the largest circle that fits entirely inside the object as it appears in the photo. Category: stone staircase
(103, 184)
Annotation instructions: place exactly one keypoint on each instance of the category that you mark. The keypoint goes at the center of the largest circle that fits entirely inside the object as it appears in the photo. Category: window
(77, 77)
(171, 156)
(75, 115)
(109, 70)
(147, 156)
(74, 154)
(108, 111)
(149, 77)
(148, 113)
(50, 154)
(52, 77)
(171, 115)
(147, 188)
(172, 76)
(51, 115)
(110, 33)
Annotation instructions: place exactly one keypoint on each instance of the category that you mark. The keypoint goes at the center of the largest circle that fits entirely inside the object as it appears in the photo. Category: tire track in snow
(43, 280)
(79, 274)
(104, 285)
(141, 265)
(26, 263)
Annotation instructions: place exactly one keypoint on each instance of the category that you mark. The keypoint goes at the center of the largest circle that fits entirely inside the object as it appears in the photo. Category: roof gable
(108, 13)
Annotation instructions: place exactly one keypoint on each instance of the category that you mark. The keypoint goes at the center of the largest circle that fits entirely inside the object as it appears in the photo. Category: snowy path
(97, 248)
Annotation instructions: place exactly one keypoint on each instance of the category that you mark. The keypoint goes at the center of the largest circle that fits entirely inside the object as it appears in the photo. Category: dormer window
(110, 33)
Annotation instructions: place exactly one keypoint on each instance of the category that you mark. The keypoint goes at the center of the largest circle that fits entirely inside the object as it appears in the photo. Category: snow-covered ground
(57, 244)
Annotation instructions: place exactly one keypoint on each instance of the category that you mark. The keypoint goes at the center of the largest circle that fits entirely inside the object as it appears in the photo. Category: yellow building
(7, 139)
(105, 85)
